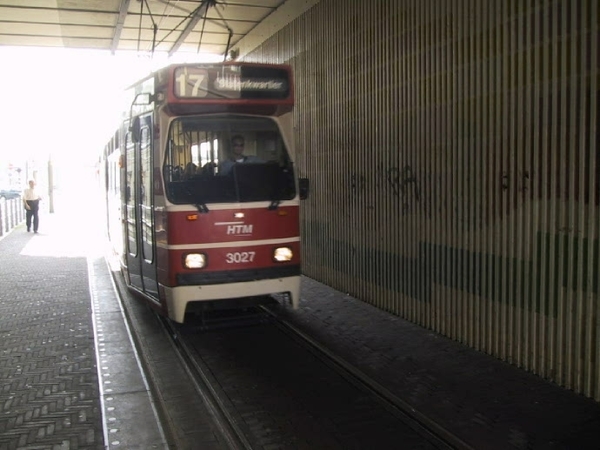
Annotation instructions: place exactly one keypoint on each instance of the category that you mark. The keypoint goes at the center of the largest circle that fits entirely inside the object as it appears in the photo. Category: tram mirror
(135, 129)
(142, 99)
(304, 187)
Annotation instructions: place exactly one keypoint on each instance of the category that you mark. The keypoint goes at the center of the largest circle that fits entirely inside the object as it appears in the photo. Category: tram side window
(146, 194)
(130, 186)
(201, 166)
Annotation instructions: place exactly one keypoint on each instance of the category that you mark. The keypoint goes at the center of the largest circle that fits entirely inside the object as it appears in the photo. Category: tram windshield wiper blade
(202, 208)
(274, 205)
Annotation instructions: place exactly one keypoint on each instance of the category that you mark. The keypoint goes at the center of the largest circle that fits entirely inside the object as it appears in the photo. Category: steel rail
(228, 423)
(418, 421)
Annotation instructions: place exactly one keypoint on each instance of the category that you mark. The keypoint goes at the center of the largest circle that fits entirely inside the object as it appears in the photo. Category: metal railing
(12, 214)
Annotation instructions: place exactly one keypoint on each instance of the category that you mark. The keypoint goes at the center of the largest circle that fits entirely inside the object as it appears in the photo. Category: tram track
(207, 389)
(164, 355)
(233, 420)
(240, 419)
(421, 423)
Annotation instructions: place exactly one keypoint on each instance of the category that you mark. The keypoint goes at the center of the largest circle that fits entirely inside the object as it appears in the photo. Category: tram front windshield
(227, 159)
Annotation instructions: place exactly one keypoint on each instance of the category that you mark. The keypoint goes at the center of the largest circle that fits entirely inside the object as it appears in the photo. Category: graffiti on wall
(469, 199)
(399, 182)
(404, 185)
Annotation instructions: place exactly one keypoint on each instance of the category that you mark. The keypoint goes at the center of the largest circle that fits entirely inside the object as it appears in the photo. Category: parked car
(9, 193)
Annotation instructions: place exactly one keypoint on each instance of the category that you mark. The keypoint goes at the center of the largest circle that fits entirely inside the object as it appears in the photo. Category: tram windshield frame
(198, 167)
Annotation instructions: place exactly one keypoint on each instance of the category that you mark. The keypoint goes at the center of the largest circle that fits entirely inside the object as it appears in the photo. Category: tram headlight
(195, 260)
(281, 254)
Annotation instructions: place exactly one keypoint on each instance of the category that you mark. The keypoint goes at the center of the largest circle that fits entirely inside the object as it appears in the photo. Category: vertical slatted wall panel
(592, 283)
(454, 161)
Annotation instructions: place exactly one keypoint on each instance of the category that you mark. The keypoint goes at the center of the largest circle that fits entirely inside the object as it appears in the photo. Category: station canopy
(216, 27)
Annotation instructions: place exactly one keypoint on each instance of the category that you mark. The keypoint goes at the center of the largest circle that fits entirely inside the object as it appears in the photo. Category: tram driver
(237, 155)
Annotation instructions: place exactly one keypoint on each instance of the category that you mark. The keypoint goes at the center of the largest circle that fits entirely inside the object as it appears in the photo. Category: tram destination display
(230, 82)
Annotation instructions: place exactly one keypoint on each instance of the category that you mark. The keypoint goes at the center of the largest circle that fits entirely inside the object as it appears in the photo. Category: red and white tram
(195, 228)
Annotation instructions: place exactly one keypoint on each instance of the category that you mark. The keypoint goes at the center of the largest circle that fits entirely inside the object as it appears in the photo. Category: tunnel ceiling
(165, 26)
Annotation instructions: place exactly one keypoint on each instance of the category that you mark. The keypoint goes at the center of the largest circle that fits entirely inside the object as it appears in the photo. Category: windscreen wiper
(274, 205)
(201, 207)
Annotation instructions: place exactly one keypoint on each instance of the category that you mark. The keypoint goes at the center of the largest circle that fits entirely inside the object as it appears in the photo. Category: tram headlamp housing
(282, 254)
(194, 261)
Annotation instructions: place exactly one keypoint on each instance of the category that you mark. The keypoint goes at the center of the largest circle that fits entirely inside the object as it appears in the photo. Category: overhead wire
(164, 15)
(140, 26)
(189, 16)
(154, 26)
(228, 38)
(202, 31)
(208, 3)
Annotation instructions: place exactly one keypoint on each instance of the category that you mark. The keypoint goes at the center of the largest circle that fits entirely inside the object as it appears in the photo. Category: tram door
(141, 259)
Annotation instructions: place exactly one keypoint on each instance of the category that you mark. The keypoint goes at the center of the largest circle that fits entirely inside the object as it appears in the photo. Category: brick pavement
(487, 403)
(49, 397)
(59, 315)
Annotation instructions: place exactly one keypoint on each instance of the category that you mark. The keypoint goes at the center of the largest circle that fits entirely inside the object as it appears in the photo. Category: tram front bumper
(179, 297)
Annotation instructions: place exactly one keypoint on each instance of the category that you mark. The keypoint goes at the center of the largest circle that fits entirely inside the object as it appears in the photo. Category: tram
(198, 223)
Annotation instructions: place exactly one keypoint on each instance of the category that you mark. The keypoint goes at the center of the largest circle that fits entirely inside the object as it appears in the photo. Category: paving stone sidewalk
(49, 396)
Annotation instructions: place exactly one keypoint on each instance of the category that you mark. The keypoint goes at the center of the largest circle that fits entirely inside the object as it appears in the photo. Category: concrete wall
(453, 152)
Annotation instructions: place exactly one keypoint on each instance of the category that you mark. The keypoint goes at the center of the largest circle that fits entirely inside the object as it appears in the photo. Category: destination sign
(233, 82)
(237, 84)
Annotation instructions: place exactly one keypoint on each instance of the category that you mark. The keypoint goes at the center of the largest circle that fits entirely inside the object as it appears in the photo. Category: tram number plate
(239, 257)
